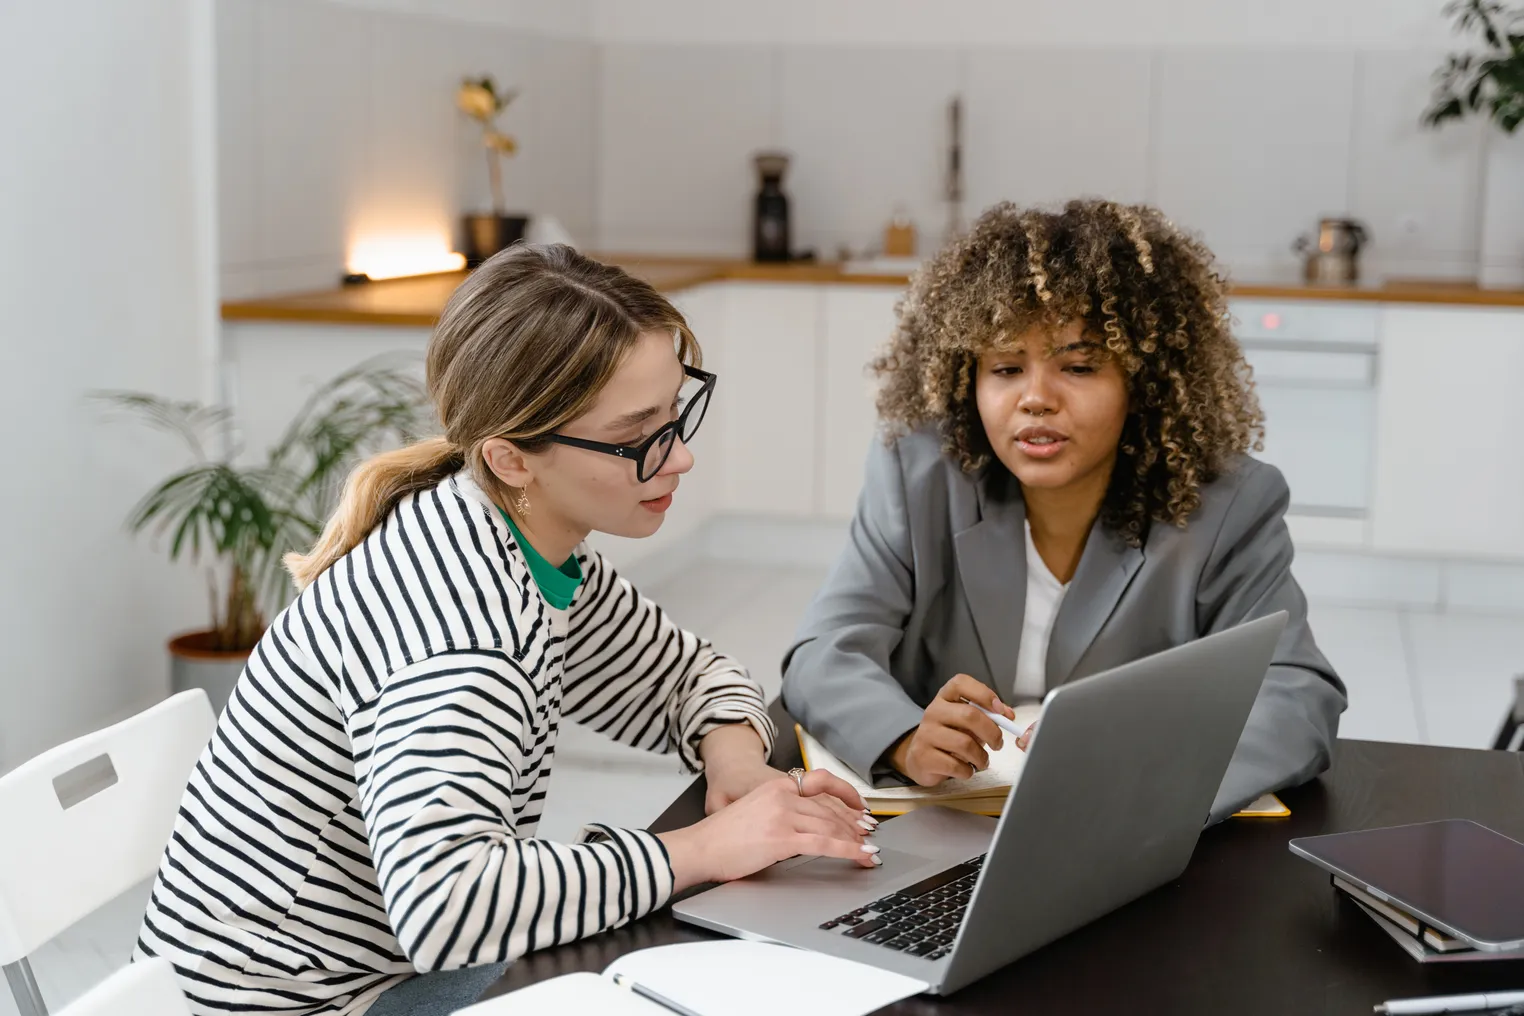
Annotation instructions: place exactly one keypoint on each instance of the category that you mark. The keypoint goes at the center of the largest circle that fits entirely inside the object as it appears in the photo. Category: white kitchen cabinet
(770, 389)
(1312, 322)
(1449, 476)
(701, 491)
(1315, 367)
(858, 321)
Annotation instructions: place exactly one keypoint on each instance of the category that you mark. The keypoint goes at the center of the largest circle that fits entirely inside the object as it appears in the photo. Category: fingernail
(869, 848)
(865, 824)
(870, 818)
(877, 859)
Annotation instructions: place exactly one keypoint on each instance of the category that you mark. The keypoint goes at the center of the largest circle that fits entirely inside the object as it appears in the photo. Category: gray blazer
(932, 583)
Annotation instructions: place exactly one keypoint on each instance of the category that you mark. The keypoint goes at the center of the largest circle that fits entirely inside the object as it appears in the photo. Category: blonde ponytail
(373, 489)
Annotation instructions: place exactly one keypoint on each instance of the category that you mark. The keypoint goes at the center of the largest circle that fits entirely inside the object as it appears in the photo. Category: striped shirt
(367, 806)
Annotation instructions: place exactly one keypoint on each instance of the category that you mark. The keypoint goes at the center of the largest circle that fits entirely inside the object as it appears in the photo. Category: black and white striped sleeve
(439, 760)
(633, 674)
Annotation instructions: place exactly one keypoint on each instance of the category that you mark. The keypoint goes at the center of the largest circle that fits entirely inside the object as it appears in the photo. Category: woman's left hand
(735, 764)
(731, 780)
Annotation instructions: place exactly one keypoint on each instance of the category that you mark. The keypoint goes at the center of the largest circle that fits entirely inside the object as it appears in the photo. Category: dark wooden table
(1248, 929)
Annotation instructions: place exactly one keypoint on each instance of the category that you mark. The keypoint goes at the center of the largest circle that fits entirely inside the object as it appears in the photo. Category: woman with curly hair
(1064, 487)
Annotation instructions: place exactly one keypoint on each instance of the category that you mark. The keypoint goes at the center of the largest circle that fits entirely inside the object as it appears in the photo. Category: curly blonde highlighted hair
(1144, 289)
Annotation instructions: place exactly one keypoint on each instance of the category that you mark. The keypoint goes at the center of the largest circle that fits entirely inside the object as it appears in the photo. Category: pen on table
(1009, 726)
(651, 996)
(1451, 1003)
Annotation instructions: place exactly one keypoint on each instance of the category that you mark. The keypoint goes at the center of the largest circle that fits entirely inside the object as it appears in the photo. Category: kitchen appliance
(1316, 364)
(952, 184)
(770, 225)
(1332, 258)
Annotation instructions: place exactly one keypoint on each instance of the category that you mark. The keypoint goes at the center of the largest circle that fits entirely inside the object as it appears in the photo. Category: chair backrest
(139, 989)
(87, 820)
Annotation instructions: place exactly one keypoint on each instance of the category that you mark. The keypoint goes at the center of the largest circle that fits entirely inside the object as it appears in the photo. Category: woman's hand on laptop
(950, 741)
(773, 823)
(730, 782)
(735, 764)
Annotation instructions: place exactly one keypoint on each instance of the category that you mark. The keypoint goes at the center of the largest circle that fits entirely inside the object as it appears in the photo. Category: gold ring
(798, 775)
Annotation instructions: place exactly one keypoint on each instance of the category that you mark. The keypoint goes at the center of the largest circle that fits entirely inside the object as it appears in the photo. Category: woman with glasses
(367, 808)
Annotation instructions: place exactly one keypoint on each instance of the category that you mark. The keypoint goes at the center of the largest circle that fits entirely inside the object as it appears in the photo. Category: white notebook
(729, 977)
(983, 793)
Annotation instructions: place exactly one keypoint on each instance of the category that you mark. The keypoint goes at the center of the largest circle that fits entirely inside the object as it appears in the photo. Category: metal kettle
(1333, 257)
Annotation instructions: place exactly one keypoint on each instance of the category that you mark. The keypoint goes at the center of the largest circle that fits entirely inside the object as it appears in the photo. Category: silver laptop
(1118, 783)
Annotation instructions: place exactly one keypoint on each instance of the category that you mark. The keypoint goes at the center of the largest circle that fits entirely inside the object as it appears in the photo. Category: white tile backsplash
(677, 130)
(867, 128)
(311, 127)
(338, 117)
(1502, 232)
(412, 146)
(1251, 147)
(560, 137)
(338, 122)
(1416, 189)
(1048, 125)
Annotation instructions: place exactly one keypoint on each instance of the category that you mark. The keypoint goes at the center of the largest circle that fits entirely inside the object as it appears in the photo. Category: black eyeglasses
(651, 454)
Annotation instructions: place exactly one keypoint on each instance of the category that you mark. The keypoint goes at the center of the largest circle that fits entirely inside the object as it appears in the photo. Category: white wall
(1334, 24)
(571, 19)
(337, 124)
(638, 120)
(105, 282)
(1249, 142)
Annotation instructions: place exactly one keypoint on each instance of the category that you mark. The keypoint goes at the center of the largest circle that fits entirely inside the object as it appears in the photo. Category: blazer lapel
(992, 564)
(1107, 566)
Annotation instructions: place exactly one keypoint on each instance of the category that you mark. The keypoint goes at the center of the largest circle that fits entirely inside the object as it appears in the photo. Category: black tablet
(1459, 877)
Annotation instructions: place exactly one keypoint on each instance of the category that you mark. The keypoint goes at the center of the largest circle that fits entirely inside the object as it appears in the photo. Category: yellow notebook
(984, 793)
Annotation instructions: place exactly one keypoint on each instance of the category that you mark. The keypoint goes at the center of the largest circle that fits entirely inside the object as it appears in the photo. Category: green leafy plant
(1490, 82)
(245, 518)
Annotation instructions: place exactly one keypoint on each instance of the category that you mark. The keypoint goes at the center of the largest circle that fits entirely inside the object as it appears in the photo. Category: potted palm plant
(239, 517)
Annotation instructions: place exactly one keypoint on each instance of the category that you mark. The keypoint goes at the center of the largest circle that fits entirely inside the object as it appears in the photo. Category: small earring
(521, 503)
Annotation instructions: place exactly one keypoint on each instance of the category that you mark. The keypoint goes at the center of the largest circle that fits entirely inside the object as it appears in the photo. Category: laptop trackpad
(834, 872)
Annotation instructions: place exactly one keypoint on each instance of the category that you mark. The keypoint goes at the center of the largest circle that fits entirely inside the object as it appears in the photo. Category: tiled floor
(1417, 677)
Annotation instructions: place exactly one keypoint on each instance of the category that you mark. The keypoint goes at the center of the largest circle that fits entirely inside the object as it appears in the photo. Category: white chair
(140, 989)
(88, 820)
(1513, 720)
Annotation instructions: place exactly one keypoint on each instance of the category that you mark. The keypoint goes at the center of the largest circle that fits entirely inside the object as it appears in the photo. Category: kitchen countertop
(417, 301)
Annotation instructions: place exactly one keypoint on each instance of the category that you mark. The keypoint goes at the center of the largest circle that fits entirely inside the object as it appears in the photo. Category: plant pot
(195, 663)
(488, 234)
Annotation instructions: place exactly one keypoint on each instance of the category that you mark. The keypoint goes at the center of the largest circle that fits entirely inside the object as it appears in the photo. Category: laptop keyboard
(918, 920)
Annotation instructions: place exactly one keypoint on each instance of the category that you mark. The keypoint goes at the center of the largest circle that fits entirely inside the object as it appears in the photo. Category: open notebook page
(741, 978)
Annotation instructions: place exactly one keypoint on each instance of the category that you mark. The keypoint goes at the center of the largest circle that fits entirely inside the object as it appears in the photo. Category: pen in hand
(1009, 726)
